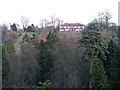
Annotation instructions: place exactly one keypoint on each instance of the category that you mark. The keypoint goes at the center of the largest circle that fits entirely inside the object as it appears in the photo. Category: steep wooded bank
(67, 59)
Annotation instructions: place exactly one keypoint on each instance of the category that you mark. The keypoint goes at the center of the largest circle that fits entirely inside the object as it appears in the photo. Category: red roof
(71, 24)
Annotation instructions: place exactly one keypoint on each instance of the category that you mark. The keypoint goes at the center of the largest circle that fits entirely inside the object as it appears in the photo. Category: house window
(65, 27)
(61, 27)
(82, 27)
(75, 26)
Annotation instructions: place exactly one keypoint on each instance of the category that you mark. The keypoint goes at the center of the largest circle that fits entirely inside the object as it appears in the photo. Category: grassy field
(18, 43)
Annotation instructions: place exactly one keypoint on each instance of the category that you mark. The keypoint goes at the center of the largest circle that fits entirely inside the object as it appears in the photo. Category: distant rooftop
(72, 24)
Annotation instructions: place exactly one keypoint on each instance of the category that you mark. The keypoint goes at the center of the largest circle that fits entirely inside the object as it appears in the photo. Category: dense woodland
(86, 59)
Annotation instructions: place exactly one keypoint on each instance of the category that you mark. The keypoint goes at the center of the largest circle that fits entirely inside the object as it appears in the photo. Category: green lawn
(18, 43)
(31, 33)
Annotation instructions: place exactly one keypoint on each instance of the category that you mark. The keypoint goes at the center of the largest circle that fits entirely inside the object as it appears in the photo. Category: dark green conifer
(94, 47)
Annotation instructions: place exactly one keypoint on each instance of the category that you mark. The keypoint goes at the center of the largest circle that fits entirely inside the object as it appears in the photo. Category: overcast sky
(82, 11)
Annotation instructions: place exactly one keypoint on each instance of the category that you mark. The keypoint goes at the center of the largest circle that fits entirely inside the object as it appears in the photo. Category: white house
(72, 27)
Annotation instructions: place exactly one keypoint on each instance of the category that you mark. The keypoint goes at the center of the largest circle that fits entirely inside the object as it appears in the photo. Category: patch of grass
(31, 33)
(18, 43)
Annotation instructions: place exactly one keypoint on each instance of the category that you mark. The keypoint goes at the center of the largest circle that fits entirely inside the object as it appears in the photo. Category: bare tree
(4, 29)
(24, 21)
(104, 17)
(43, 23)
(59, 21)
(53, 20)
(12, 35)
(23, 68)
(66, 74)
